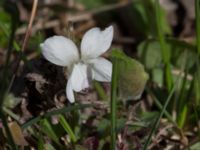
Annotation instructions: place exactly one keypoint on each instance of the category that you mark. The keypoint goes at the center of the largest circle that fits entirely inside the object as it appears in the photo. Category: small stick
(28, 31)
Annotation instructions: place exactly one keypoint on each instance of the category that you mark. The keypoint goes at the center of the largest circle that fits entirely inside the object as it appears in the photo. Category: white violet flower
(84, 65)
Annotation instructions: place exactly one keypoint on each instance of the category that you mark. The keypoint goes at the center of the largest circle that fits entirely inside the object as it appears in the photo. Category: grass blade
(160, 106)
(48, 130)
(67, 128)
(54, 112)
(159, 117)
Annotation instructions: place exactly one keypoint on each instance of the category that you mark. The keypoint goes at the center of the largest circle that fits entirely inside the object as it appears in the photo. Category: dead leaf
(17, 134)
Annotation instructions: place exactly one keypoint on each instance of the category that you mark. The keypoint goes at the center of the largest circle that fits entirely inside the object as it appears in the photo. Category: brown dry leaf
(17, 134)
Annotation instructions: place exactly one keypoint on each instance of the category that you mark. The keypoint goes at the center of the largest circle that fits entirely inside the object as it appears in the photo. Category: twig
(28, 32)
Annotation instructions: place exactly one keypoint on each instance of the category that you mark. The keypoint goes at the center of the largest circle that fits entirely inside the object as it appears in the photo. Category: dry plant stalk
(28, 31)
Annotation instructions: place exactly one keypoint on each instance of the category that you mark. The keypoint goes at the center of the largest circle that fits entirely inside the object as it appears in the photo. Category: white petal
(79, 78)
(60, 50)
(102, 69)
(95, 42)
(69, 91)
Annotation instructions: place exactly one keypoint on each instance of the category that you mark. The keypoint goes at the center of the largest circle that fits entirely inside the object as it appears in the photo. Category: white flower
(84, 66)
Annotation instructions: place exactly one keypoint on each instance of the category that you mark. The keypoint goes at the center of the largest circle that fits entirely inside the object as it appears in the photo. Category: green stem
(163, 46)
(113, 104)
(165, 54)
(197, 25)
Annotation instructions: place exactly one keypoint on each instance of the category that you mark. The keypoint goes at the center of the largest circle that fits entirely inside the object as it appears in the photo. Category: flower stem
(113, 104)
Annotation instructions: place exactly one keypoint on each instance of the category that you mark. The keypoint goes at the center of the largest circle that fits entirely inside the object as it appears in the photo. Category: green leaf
(150, 53)
(132, 77)
(157, 76)
(40, 144)
(5, 22)
(185, 56)
(67, 128)
(48, 130)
